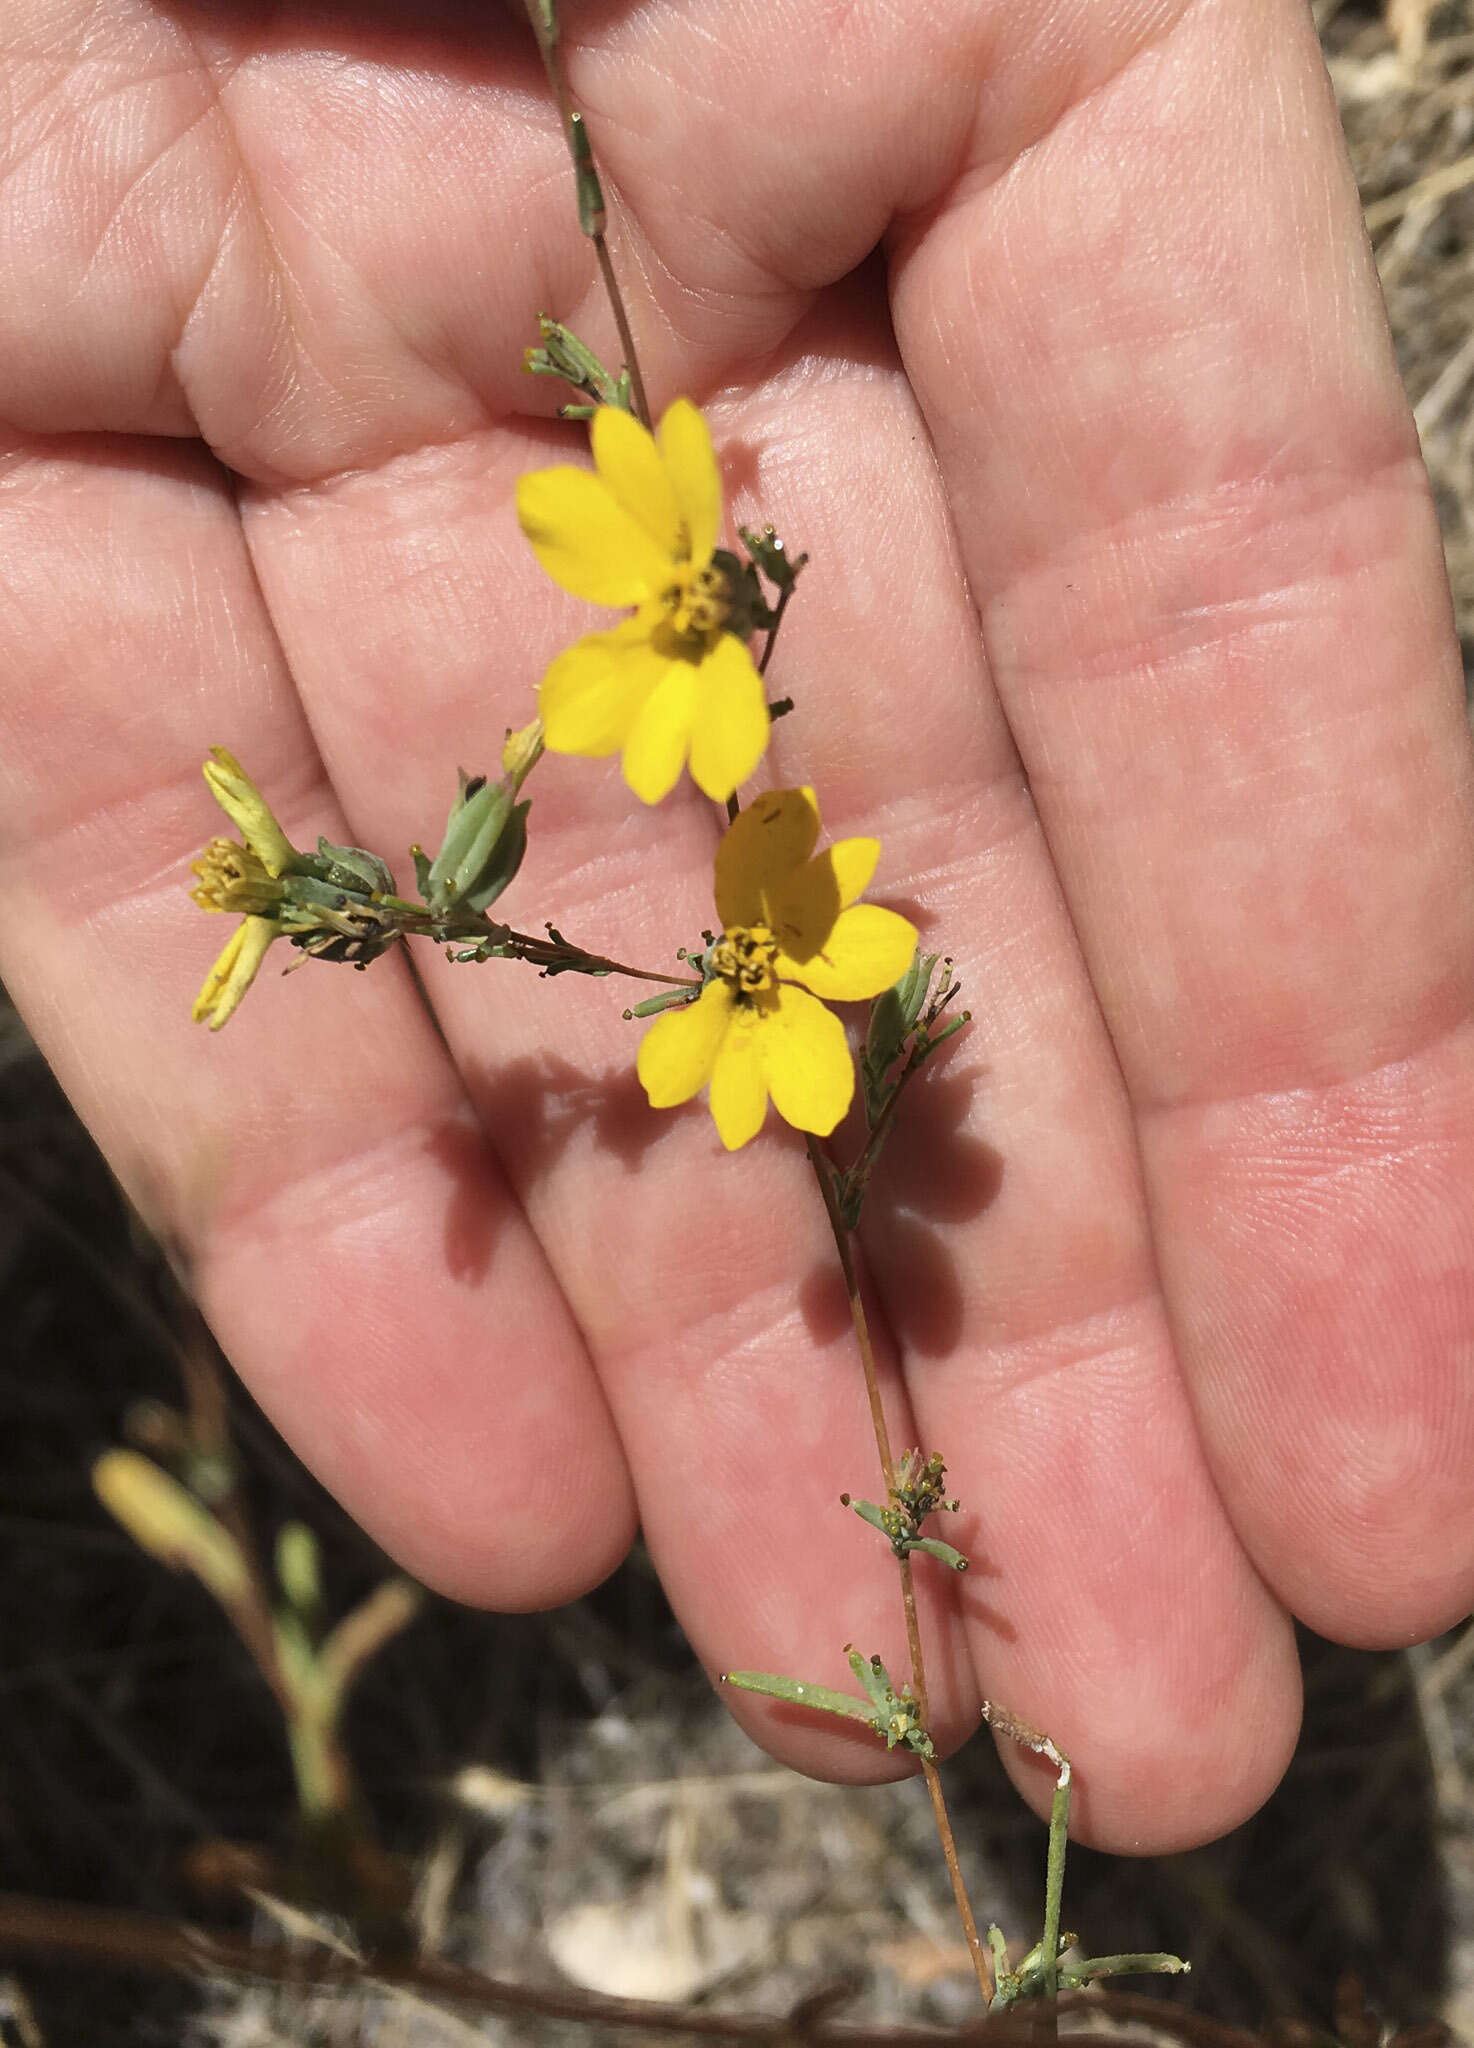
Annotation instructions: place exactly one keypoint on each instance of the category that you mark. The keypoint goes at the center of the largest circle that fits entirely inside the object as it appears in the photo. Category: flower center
(745, 957)
(699, 604)
(233, 878)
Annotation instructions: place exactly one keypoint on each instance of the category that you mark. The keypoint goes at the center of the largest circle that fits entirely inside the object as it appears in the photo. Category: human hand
(1125, 631)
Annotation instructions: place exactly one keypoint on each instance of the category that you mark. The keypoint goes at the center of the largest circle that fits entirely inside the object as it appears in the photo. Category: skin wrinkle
(1168, 1107)
(1089, 1341)
(156, 162)
(1183, 524)
(362, 1172)
(131, 85)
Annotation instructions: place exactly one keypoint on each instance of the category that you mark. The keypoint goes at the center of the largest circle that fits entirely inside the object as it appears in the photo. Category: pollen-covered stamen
(233, 878)
(699, 605)
(745, 958)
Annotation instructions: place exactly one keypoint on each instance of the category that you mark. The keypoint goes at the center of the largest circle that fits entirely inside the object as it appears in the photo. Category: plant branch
(772, 641)
(591, 216)
(111, 1939)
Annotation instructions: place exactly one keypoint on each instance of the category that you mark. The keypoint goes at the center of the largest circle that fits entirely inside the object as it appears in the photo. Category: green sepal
(507, 856)
(472, 829)
(421, 860)
(351, 867)
(823, 1698)
(484, 844)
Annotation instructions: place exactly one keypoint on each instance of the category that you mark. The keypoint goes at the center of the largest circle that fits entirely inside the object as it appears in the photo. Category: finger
(1201, 540)
(352, 1239)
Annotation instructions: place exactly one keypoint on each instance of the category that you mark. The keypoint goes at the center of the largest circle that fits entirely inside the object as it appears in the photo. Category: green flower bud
(485, 839)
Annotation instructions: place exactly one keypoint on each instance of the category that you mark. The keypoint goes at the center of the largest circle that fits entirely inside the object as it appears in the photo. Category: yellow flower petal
(803, 909)
(807, 1063)
(676, 1054)
(739, 1089)
(586, 540)
(233, 973)
(868, 949)
(631, 469)
(729, 727)
(853, 862)
(691, 465)
(594, 691)
(248, 811)
(660, 738)
(804, 906)
(764, 843)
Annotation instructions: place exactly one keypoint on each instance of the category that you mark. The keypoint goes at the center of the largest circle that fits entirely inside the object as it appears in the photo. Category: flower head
(675, 682)
(241, 879)
(792, 933)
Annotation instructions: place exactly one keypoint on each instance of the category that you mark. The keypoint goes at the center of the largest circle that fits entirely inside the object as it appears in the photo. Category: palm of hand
(1174, 1256)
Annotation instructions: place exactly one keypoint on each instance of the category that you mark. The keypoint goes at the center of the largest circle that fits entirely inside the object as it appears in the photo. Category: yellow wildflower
(674, 682)
(244, 879)
(792, 933)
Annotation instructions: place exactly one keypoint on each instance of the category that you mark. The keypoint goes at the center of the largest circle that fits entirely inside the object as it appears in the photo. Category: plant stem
(626, 338)
(553, 953)
(822, 1173)
(454, 928)
(591, 218)
(779, 609)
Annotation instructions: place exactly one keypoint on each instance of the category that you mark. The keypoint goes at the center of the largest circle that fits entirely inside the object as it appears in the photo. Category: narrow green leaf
(869, 1512)
(1159, 1965)
(801, 1694)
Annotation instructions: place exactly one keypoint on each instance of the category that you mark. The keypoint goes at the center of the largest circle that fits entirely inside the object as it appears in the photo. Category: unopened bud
(485, 839)
(522, 752)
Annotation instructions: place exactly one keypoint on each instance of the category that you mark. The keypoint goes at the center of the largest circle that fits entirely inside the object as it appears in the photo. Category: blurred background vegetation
(559, 1798)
